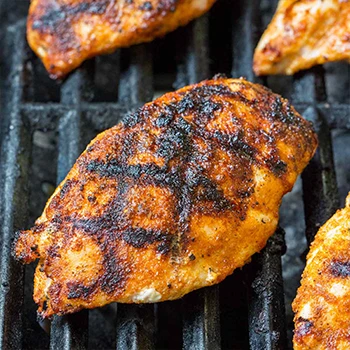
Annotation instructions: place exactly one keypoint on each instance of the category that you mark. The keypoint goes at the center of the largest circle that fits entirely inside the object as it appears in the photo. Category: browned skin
(322, 305)
(173, 199)
(64, 33)
(304, 33)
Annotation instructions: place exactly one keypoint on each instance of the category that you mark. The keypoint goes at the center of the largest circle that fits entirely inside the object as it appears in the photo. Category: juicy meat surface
(304, 33)
(174, 198)
(64, 33)
(322, 305)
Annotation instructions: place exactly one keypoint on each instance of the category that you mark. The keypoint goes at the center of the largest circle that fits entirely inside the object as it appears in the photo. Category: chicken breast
(64, 33)
(322, 305)
(304, 33)
(174, 198)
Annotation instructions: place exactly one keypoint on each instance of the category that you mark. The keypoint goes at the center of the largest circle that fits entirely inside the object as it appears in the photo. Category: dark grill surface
(45, 126)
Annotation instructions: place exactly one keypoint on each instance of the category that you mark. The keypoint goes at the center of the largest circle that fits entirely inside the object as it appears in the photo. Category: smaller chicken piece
(302, 34)
(65, 33)
(322, 305)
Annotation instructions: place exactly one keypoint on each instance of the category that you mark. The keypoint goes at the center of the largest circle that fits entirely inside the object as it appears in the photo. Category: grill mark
(340, 268)
(139, 237)
(281, 111)
(197, 101)
(116, 271)
(304, 327)
(174, 178)
(277, 166)
(203, 189)
(154, 173)
(236, 142)
(79, 290)
(175, 141)
(112, 223)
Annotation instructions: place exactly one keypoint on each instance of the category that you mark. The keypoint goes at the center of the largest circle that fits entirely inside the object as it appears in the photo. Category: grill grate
(232, 315)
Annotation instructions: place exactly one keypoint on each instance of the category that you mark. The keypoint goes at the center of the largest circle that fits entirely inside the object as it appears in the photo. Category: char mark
(66, 187)
(202, 189)
(175, 141)
(116, 271)
(152, 173)
(198, 102)
(277, 166)
(199, 186)
(113, 168)
(340, 268)
(146, 6)
(284, 114)
(55, 15)
(108, 225)
(132, 119)
(236, 143)
(79, 290)
(140, 237)
(304, 327)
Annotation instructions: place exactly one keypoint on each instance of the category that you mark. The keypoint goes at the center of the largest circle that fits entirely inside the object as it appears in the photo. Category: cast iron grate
(246, 310)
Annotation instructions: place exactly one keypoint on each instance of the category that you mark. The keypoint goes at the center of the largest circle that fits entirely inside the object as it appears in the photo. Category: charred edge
(132, 119)
(54, 16)
(66, 187)
(196, 101)
(284, 113)
(17, 237)
(340, 268)
(304, 327)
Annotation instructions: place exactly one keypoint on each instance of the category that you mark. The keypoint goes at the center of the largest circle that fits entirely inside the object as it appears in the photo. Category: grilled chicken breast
(174, 198)
(64, 33)
(304, 33)
(322, 305)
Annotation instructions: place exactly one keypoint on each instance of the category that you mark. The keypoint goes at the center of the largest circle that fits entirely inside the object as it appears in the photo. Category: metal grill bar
(266, 304)
(201, 319)
(45, 116)
(135, 323)
(200, 310)
(135, 327)
(194, 64)
(319, 180)
(244, 34)
(136, 85)
(267, 329)
(13, 196)
(70, 332)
